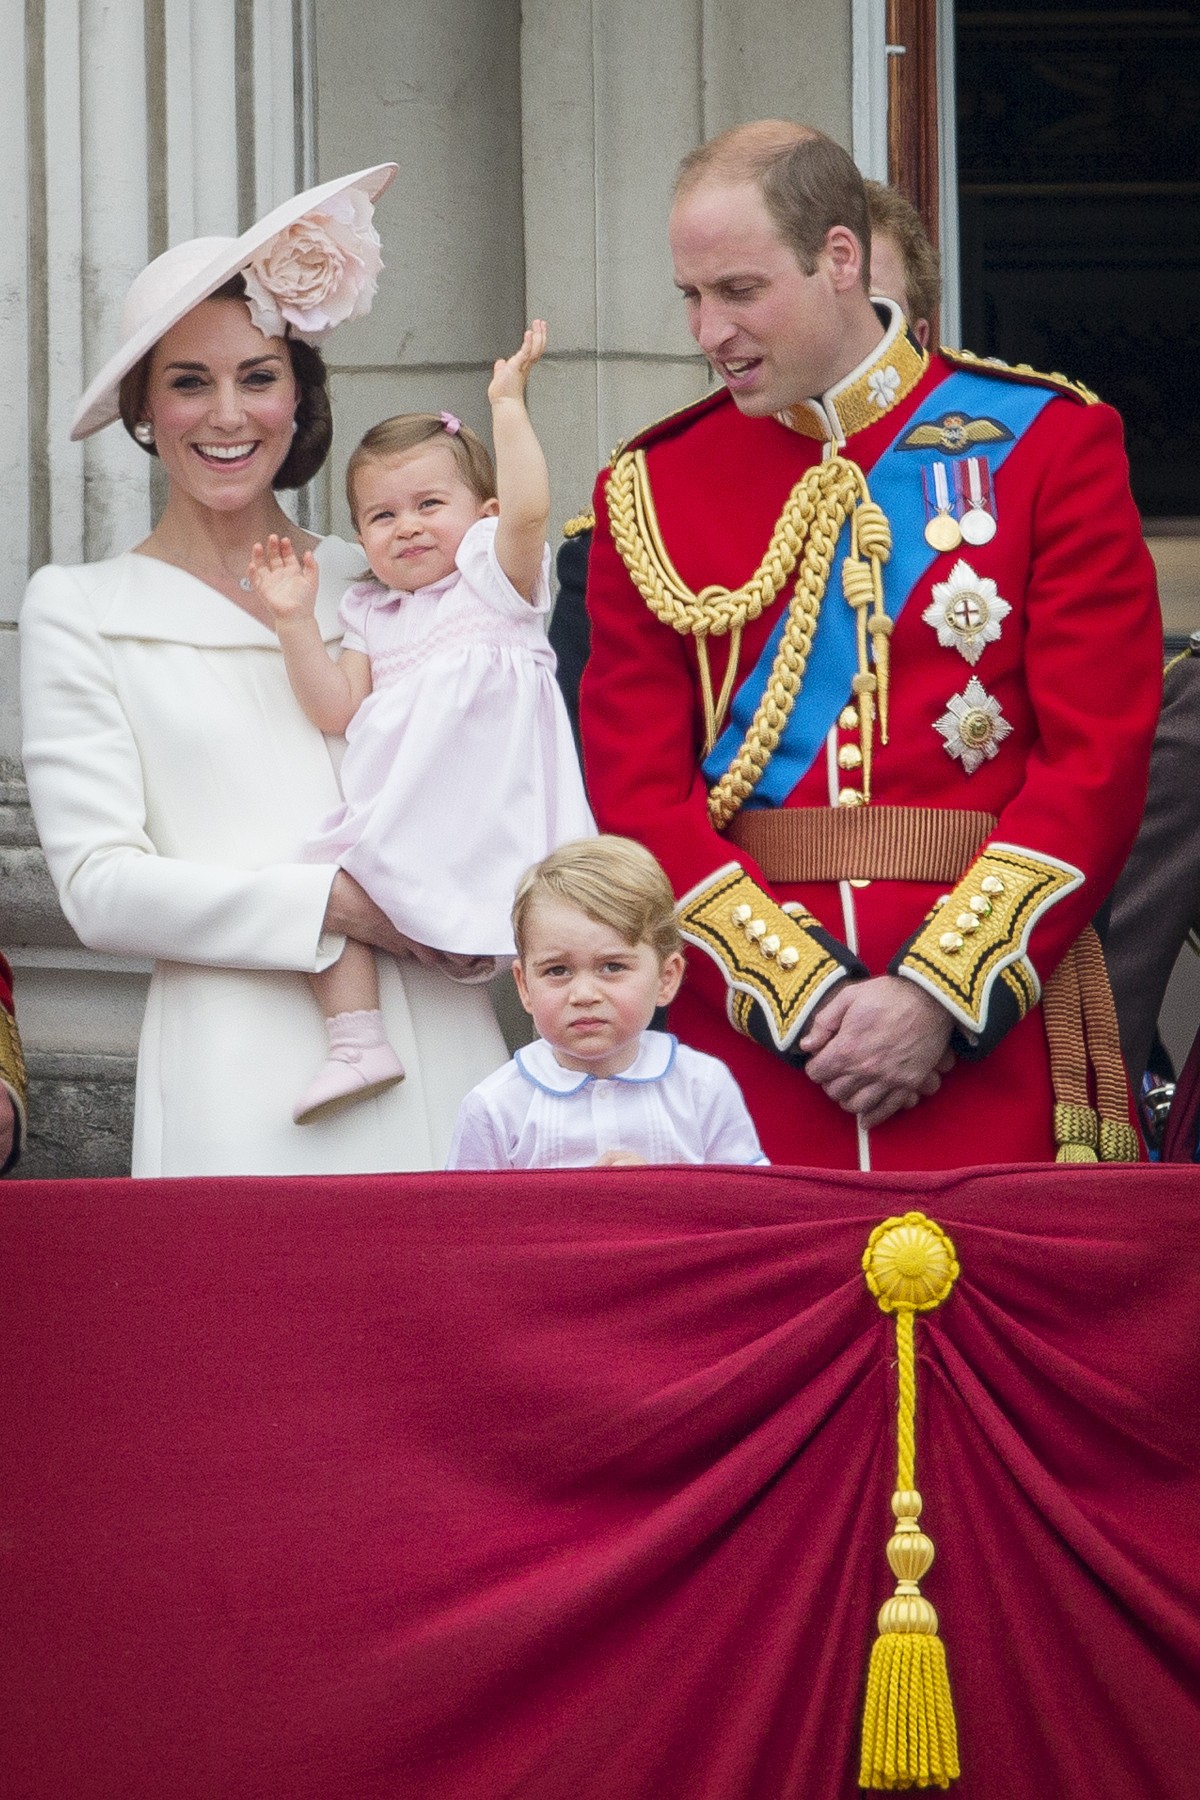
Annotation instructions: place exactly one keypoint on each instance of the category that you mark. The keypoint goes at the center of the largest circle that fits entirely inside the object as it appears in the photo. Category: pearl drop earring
(143, 431)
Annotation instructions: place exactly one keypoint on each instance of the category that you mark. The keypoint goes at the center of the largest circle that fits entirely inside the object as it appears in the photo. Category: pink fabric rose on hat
(316, 273)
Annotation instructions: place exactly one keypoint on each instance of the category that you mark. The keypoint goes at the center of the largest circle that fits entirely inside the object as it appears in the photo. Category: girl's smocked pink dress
(460, 769)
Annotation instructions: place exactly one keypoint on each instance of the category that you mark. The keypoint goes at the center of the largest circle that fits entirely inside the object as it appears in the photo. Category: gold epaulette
(648, 433)
(993, 365)
(584, 521)
(12, 1062)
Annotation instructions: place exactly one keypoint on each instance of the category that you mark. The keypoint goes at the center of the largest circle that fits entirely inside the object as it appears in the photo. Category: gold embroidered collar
(892, 370)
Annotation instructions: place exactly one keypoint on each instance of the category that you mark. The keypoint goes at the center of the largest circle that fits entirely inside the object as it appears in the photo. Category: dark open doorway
(1079, 171)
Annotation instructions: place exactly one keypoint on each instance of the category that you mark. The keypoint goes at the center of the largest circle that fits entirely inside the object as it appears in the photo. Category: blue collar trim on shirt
(537, 1063)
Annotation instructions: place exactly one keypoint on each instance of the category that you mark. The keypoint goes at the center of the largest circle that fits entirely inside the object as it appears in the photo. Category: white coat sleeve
(85, 788)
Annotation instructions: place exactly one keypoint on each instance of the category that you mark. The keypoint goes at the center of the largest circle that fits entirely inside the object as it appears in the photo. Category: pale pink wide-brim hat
(182, 277)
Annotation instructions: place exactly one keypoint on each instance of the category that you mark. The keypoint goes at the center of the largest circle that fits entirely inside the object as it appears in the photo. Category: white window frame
(869, 131)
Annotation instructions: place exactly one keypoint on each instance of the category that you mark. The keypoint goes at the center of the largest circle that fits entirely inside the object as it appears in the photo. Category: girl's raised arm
(522, 481)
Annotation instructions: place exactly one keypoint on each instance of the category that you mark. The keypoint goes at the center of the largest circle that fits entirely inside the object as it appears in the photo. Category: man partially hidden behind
(904, 265)
(874, 673)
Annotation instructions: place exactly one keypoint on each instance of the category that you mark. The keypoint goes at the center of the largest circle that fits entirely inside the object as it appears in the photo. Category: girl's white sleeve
(480, 568)
(85, 787)
(354, 612)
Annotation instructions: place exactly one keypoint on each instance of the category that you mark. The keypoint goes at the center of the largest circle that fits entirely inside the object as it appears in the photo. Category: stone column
(200, 108)
(613, 97)
(126, 124)
(437, 89)
(280, 90)
(14, 364)
(113, 244)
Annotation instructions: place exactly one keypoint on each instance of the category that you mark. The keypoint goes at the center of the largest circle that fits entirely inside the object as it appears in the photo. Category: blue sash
(895, 484)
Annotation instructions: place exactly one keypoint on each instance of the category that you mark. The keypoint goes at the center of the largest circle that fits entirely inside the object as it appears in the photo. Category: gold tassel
(1081, 1033)
(875, 539)
(862, 586)
(909, 1737)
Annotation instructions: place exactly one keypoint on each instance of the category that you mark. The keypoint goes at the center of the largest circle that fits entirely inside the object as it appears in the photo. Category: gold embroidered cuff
(740, 1008)
(980, 933)
(778, 963)
(12, 1074)
(1022, 982)
(12, 1062)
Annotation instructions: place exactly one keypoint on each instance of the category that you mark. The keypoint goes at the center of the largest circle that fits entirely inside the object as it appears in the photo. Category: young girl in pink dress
(459, 766)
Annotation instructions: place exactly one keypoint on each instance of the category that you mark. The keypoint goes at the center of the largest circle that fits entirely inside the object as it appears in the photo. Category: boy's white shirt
(672, 1104)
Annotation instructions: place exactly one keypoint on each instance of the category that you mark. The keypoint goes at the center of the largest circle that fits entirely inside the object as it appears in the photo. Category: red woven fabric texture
(576, 1487)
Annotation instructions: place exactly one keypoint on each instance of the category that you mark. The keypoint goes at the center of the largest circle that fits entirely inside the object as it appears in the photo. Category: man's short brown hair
(893, 215)
(808, 182)
(614, 881)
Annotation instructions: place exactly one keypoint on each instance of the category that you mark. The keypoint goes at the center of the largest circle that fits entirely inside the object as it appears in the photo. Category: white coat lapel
(144, 598)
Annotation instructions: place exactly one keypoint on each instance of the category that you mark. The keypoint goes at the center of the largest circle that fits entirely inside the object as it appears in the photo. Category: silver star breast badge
(966, 611)
(973, 725)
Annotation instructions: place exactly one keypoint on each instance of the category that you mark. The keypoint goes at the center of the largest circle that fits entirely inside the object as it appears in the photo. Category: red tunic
(1076, 671)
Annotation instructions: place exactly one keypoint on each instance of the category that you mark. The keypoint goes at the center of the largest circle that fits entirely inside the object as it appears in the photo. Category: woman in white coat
(173, 777)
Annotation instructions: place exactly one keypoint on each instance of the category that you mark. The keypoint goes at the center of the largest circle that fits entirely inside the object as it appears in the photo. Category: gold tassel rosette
(909, 1737)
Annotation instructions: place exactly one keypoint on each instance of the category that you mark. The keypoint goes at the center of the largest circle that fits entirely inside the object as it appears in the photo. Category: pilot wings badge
(954, 434)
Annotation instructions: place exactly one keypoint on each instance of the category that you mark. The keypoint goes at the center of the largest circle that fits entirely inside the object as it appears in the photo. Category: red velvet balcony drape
(575, 1487)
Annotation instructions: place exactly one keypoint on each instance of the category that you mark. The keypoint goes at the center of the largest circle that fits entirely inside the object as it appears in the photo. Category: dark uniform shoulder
(584, 521)
(672, 422)
(1185, 665)
(992, 365)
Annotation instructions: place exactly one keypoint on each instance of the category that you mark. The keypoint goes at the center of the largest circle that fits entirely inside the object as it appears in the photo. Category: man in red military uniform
(874, 672)
(12, 1076)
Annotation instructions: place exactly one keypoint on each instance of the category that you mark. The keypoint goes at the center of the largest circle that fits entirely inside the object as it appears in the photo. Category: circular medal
(942, 532)
(976, 728)
(977, 526)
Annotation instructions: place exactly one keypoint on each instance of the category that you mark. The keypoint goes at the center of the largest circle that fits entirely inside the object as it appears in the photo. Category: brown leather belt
(869, 843)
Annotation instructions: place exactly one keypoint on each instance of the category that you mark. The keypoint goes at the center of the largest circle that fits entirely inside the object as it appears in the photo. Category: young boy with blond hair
(598, 951)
